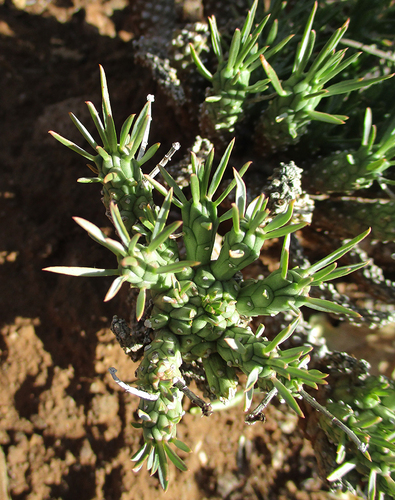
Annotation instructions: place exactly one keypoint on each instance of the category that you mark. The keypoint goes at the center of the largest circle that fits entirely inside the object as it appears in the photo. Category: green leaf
(234, 50)
(98, 123)
(326, 51)
(180, 464)
(273, 50)
(326, 117)
(141, 457)
(372, 484)
(105, 95)
(340, 272)
(341, 67)
(272, 75)
(163, 214)
(284, 259)
(342, 470)
(328, 306)
(172, 183)
(84, 131)
(100, 237)
(241, 193)
(206, 172)
(89, 272)
(218, 174)
(305, 40)
(282, 336)
(115, 287)
(351, 85)
(199, 65)
(138, 133)
(180, 445)
(282, 219)
(118, 223)
(287, 396)
(149, 154)
(90, 180)
(215, 39)
(248, 22)
(72, 146)
(335, 255)
(176, 267)
(252, 378)
(163, 236)
(195, 189)
(163, 468)
(140, 303)
(283, 231)
(124, 135)
(231, 186)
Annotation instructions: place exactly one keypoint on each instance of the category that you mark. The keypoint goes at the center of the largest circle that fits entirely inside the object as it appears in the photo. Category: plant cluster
(196, 305)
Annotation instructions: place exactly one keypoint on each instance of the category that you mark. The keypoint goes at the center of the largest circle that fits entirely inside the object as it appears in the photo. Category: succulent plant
(201, 305)
(366, 403)
(294, 107)
(349, 170)
(225, 102)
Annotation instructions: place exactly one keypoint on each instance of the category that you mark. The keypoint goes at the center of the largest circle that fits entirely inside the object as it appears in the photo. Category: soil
(65, 427)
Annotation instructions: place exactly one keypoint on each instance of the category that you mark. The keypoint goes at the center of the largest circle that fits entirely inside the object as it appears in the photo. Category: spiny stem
(174, 147)
(132, 390)
(362, 447)
(181, 386)
(144, 142)
(257, 414)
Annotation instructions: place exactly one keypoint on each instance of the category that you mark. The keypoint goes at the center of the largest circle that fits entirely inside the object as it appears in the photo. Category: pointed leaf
(328, 306)
(172, 183)
(342, 470)
(231, 186)
(199, 65)
(272, 75)
(141, 457)
(105, 95)
(215, 39)
(90, 180)
(115, 287)
(163, 236)
(98, 123)
(72, 146)
(163, 214)
(163, 468)
(140, 303)
(176, 267)
(234, 50)
(124, 135)
(326, 117)
(252, 378)
(248, 22)
(180, 464)
(284, 259)
(84, 131)
(283, 231)
(218, 174)
(351, 85)
(305, 39)
(241, 193)
(282, 219)
(149, 154)
(118, 223)
(335, 255)
(181, 446)
(287, 396)
(88, 272)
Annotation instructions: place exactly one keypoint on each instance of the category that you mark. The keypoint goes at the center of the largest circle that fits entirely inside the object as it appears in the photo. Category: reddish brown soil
(65, 426)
